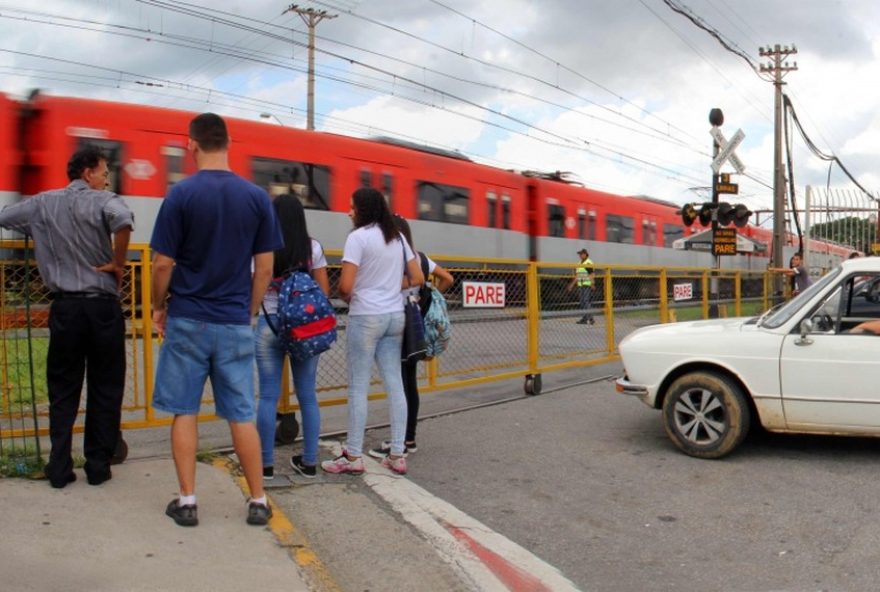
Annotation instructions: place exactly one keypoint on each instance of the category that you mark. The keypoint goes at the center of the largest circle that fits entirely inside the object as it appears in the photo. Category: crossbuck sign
(726, 150)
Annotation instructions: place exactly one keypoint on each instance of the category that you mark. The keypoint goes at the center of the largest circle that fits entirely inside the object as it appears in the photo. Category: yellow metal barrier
(537, 330)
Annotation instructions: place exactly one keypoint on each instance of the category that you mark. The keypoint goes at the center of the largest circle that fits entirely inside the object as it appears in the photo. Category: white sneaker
(342, 464)
(397, 465)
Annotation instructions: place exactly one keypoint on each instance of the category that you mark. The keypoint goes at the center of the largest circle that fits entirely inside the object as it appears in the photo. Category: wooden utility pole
(311, 18)
(778, 68)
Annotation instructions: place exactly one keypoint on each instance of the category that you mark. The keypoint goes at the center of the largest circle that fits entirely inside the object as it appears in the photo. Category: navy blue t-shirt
(212, 224)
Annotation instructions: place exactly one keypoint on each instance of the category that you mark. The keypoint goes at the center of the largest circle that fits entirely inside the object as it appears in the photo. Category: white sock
(187, 500)
(260, 500)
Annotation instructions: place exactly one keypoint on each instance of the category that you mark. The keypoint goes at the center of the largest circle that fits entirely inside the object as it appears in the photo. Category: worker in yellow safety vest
(583, 279)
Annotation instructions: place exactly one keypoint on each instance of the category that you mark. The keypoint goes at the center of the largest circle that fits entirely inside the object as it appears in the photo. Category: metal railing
(535, 332)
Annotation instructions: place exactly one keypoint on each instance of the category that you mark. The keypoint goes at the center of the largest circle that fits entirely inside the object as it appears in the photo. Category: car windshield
(787, 310)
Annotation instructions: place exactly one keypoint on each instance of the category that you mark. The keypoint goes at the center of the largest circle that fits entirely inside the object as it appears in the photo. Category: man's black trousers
(86, 339)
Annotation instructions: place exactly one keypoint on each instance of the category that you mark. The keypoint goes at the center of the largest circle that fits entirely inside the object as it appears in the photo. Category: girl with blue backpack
(300, 253)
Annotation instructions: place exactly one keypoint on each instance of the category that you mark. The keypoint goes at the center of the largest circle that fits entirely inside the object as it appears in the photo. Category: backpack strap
(423, 260)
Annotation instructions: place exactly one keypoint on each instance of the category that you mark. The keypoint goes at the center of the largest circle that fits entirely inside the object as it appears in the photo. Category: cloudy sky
(617, 92)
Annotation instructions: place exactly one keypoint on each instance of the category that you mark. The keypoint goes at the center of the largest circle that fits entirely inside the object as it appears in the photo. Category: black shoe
(99, 477)
(183, 515)
(62, 483)
(258, 514)
(592, 321)
(305, 470)
(385, 449)
(268, 473)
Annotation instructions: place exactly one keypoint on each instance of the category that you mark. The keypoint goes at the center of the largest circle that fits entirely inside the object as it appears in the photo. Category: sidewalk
(115, 537)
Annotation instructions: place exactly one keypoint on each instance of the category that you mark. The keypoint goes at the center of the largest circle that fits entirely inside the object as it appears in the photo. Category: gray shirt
(801, 278)
(72, 229)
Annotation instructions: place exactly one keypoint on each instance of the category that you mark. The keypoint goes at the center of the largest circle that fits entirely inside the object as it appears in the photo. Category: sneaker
(268, 473)
(396, 465)
(258, 514)
(296, 462)
(342, 464)
(183, 515)
(385, 449)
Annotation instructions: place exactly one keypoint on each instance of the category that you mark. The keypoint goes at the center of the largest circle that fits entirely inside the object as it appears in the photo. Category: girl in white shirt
(373, 263)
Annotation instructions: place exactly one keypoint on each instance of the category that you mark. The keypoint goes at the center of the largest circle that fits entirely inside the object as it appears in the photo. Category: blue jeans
(193, 352)
(586, 293)
(270, 362)
(378, 337)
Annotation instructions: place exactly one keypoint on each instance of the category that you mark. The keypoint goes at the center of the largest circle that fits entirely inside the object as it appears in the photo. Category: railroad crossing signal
(726, 150)
(723, 212)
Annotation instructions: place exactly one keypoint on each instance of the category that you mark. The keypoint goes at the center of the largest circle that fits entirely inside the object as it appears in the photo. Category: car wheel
(705, 414)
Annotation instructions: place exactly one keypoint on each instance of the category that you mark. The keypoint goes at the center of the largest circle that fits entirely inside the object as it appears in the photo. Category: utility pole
(311, 18)
(778, 68)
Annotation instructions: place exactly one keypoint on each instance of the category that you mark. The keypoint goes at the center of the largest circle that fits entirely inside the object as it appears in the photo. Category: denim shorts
(194, 351)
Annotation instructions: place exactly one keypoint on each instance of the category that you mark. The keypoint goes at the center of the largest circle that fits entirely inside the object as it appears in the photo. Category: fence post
(664, 297)
(705, 294)
(737, 294)
(147, 315)
(533, 313)
(609, 311)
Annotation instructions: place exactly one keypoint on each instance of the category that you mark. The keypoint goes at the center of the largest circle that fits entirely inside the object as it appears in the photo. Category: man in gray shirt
(81, 235)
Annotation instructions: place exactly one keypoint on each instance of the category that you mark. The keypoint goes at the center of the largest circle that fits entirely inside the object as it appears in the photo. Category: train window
(388, 187)
(309, 182)
(175, 164)
(671, 233)
(591, 230)
(492, 204)
(582, 224)
(556, 220)
(505, 211)
(443, 203)
(649, 232)
(619, 229)
(113, 151)
(366, 178)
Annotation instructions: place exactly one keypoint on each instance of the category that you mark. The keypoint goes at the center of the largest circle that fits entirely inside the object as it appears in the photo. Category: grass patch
(20, 461)
(17, 378)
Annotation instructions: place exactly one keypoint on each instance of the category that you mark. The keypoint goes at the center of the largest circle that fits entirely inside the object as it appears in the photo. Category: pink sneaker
(397, 465)
(342, 464)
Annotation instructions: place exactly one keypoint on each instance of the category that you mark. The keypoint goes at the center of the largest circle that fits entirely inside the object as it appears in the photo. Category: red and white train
(457, 207)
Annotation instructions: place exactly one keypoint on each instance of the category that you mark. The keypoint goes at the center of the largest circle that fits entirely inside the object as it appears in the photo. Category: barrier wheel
(533, 384)
(287, 429)
(121, 452)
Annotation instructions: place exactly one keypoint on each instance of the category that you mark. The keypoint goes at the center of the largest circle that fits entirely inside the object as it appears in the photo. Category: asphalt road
(587, 480)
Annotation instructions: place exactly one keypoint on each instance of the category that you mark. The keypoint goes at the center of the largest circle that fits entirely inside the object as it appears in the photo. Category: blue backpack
(438, 330)
(306, 319)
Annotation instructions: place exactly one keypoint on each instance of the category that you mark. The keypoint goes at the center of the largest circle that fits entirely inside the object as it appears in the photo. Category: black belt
(82, 295)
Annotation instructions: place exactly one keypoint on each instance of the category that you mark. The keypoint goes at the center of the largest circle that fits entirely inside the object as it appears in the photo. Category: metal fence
(535, 332)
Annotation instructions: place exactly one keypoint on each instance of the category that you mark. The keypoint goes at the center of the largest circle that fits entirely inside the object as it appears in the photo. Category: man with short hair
(210, 228)
(81, 236)
(583, 279)
(797, 271)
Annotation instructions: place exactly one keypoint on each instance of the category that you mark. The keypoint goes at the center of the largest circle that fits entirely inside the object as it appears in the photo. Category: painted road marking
(486, 560)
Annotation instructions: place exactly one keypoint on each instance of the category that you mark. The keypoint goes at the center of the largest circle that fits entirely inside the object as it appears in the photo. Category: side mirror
(806, 328)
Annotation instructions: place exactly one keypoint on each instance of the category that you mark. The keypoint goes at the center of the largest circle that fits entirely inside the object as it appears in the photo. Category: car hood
(691, 329)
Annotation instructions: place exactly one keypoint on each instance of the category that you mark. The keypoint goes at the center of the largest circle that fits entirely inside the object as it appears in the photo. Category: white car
(796, 368)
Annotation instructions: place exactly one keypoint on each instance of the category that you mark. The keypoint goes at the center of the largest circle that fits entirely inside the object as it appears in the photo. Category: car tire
(706, 414)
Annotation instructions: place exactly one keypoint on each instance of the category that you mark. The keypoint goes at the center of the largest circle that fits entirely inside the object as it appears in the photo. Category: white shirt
(270, 300)
(380, 270)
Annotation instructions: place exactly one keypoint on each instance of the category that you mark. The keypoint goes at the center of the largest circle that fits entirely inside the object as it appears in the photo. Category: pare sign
(482, 295)
(682, 291)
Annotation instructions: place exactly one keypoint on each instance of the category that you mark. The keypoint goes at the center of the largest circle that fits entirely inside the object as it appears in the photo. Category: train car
(10, 157)
(456, 206)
